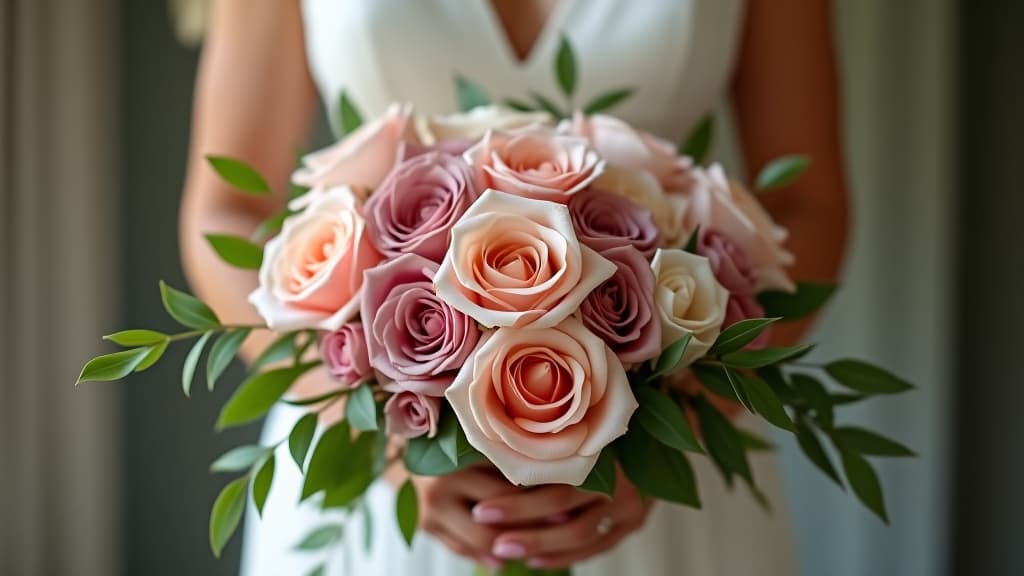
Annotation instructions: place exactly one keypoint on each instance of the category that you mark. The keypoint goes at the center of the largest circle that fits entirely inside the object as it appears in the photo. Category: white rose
(474, 124)
(689, 300)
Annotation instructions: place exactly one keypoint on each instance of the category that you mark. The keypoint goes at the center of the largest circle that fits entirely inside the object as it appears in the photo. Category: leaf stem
(224, 327)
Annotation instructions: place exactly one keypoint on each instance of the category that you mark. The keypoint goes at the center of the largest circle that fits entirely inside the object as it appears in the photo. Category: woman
(256, 95)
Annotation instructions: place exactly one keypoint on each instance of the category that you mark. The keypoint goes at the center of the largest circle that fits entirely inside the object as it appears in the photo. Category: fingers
(445, 512)
(565, 560)
(477, 484)
(536, 505)
(583, 533)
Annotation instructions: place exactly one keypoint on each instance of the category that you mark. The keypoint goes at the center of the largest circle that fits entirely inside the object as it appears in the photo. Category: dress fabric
(678, 55)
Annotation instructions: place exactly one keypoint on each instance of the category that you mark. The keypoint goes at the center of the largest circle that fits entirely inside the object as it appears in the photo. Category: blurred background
(111, 479)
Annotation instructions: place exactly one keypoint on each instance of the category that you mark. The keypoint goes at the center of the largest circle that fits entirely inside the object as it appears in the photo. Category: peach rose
(535, 163)
(689, 300)
(668, 210)
(517, 262)
(312, 272)
(542, 404)
(473, 125)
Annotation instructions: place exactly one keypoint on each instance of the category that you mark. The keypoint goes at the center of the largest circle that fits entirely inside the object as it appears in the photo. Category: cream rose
(312, 272)
(640, 186)
(542, 404)
(473, 125)
(517, 262)
(689, 300)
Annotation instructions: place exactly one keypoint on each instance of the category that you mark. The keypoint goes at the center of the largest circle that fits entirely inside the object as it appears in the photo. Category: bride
(262, 67)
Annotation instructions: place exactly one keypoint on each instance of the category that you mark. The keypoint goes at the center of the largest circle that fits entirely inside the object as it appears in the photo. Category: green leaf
(765, 356)
(320, 570)
(866, 378)
(519, 105)
(358, 472)
(186, 309)
(740, 334)
(448, 436)
(868, 443)
(311, 400)
(812, 391)
(320, 537)
(136, 337)
(324, 470)
(664, 420)
(864, 481)
(349, 118)
(226, 514)
(807, 300)
(722, 440)
(602, 476)
(301, 437)
(257, 394)
(753, 442)
(841, 399)
(156, 352)
(222, 353)
(736, 383)
(425, 457)
(782, 172)
(698, 143)
(407, 510)
(714, 378)
(240, 458)
(236, 251)
(188, 371)
(360, 409)
(280, 349)
(815, 452)
(693, 241)
(547, 105)
(776, 380)
(765, 402)
(607, 101)
(240, 175)
(112, 366)
(270, 226)
(468, 95)
(262, 483)
(672, 479)
(670, 357)
(565, 67)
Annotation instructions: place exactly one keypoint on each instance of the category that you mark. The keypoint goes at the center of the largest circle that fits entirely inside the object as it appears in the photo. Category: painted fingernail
(509, 550)
(487, 514)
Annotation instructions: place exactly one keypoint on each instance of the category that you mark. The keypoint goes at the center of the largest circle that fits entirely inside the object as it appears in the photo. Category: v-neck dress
(678, 55)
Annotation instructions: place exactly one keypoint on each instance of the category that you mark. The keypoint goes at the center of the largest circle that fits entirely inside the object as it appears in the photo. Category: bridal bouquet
(554, 294)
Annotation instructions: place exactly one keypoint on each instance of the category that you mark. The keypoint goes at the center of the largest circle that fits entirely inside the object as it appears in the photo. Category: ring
(604, 527)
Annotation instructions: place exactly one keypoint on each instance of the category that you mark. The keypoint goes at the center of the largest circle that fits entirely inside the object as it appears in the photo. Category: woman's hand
(557, 526)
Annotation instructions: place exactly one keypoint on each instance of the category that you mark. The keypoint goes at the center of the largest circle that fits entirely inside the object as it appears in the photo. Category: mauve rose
(411, 415)
(642, 188)
(413, 337)
(621, 311)
(731, 266)
(604, 220)
(415, 207)
(344, 354)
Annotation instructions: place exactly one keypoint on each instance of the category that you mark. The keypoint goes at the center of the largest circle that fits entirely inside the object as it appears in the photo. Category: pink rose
(411, 415)
(517, 262)
(643, 189)
(604, 220)
(717, 205)
(621, 311)
(410, 150)
(535, 163)
(542, 404)
(689, 300)
(413, 337)
(623, 146)
(344, 354)
(415, 207)
(312, 272)
(730, 265)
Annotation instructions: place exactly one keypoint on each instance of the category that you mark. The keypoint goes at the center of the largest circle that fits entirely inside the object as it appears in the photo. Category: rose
(414, 208)
(312, 272)
(344, 354)
(623, 146)
(413, 337)
(542, 404)
(517, 262)
(731, 266)
(668, 210)
(743, 307)
(474, 124)
(727, 209)
(411, 415)
(689, 300)
(409, 150)
(535, 163)
(621, 310)
(604, 220)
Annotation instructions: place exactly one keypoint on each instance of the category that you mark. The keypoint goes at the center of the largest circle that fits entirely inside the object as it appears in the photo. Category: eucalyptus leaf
(808, 299)
(698, 143)
(868, 443)
(187, 309)
(222, 353)
(156, 351)
(300, 438)
(239, 458)
(349, 118)
(765, 402)
(360, 409)
(815, 452)
(723, 442)
(324, 471)
(765, 356)
(236, 251)
(469, 95)
(782, 172)
(112, 366)
(407, 511)
(240, 175)
(607, 101)
(320, 537)
(262, 482)
(602, 477)
(866, 378)
(864, 482)
(227, 513)
(670, 357)
(664, 420)
(136, 337)
(741, 333)
(672, 477)
(258, 394)
(188, 371)
(565, 67)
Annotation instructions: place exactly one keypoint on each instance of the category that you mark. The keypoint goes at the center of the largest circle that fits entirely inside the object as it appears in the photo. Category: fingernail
(509, 550)
(487, 514)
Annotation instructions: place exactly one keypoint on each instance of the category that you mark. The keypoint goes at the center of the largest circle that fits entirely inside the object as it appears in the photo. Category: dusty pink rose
(542, 404)
(415, 207)
(411, 415)
(312, 272)
(604, 220)
(716, 205)
(730, 265)
(517, 262)
(344, 354)
(621, 310)
(689, 299)
(535, 163)
(642, 188)
(622, 145)
(414, 338)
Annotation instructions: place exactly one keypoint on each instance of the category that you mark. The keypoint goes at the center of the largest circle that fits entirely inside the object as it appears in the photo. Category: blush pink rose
(410, 150)
(411, 415)
(517, 262)
(604, 220)
(312, 272)
(621, 310)
(413, 337)
(344, 354)
(415, 207)
(542, 404)
(535, 163)
(690, 300)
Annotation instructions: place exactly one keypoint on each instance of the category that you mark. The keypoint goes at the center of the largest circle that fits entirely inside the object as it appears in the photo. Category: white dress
(678, 54)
